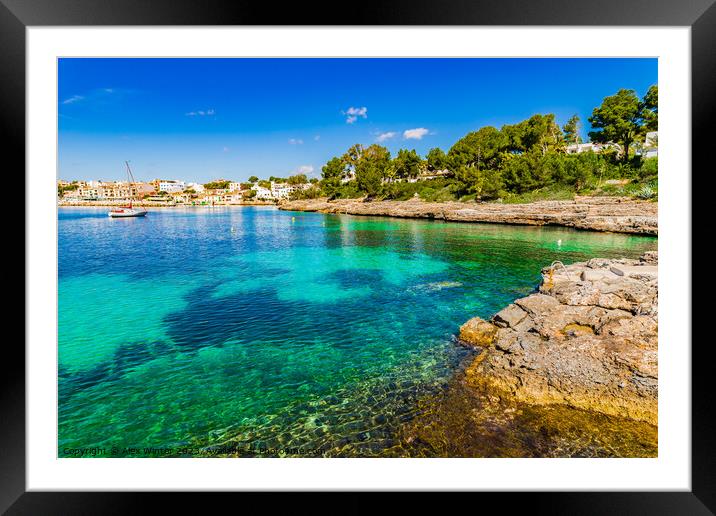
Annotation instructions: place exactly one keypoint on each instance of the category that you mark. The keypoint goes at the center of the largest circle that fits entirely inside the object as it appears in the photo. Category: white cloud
(208, 112)
(226, 149)
(415, 134)
(385, 136)
(94, 95)
(353, 113)
(317, 137)
(305, 169)
(295, 141)
(73, 99)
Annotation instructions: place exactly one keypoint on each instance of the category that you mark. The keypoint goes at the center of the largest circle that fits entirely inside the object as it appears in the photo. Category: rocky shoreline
(586, 339)
(568, 371)
(614, 214)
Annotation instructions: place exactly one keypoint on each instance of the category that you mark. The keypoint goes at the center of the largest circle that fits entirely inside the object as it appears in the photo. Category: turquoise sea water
(253, 331)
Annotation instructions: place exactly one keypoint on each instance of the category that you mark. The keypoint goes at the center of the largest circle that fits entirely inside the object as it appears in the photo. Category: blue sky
(202, 119)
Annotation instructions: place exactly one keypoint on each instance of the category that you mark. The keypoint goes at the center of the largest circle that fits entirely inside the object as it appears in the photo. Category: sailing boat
(128, 211)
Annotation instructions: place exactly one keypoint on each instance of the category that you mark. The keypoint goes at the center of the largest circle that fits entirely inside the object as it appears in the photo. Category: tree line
(492, 163)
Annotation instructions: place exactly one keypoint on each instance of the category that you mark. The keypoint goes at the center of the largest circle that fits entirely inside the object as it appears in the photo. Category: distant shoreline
(610, 214)
(109, 204)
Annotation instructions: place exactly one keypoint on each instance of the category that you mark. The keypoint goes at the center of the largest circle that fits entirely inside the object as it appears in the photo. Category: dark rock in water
(379, 419)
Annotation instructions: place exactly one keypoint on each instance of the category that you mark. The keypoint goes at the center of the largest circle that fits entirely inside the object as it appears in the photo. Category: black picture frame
(16, 15)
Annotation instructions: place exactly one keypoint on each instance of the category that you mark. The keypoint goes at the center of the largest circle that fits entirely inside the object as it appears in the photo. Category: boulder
(509, 316)
(650, 257)
(588, 340)
(635, 271)
(537, 304)
(478, 333)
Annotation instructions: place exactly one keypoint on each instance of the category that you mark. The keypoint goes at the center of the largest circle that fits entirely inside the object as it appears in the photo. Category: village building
(170, 186)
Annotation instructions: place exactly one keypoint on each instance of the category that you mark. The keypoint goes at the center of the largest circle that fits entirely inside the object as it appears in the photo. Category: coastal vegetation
(531, 160)
(62, 188)
(219, 184)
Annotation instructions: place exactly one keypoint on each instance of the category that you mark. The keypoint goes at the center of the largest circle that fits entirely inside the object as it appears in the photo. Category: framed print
(419, 251)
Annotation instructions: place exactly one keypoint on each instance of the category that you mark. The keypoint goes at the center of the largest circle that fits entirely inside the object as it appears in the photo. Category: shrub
(314, 192)
(348, 190)
(649, 168)
(645, 192)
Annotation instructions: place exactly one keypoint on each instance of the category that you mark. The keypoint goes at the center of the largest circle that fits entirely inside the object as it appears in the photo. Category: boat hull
(127, 213)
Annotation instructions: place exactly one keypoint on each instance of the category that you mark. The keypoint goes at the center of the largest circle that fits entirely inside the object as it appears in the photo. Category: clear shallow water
(253, 331)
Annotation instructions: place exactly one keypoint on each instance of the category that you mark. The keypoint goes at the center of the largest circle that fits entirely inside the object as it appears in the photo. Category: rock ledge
(586, 339)
(615, 214)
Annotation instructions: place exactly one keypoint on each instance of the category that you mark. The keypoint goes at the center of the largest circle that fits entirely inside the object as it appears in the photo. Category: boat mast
(130, 176)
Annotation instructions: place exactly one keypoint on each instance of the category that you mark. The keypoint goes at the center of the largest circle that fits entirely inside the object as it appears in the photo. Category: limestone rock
(615, 214)
(537, 304)
(588, 339)
(650, 257)
(478, 332)
(509, 316)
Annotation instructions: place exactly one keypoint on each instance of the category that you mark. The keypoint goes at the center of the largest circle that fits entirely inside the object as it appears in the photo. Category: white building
(234, 197)
(578, 148)
(116, 190)
(261, 192)
(197, 187)
(284, 190)
(651, 144)
(171, 186)
(280, 190)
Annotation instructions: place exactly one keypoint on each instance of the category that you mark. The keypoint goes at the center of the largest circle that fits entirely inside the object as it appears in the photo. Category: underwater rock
(587, 340)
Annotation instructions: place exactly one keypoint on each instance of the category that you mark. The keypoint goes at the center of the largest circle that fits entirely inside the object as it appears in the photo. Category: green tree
(475, 160)
(436, 159)
(539, 132)
(521, 172)
(219, 184)
(480, 149)
(253, 179)
(407, 164)
(650, 108)
(332, 174)
(571, 130)
(619, 119)
(298, 179)
(485, 183)
(371, 167)
(313, 192)
(351, 158)
(67, 188)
